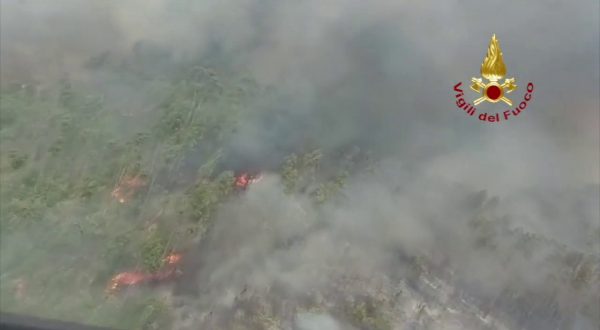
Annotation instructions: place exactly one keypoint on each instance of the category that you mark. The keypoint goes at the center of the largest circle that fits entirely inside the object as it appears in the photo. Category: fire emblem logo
(493, 69)
(492, 90)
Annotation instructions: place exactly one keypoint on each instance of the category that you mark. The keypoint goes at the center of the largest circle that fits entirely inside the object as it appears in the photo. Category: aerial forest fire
(169, 271)
(125, 190)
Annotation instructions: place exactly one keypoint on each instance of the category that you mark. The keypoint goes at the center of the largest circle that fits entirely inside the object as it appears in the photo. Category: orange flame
(173, 259)
(243, 180)
(126, 279)
(134, 278)
(127, 188)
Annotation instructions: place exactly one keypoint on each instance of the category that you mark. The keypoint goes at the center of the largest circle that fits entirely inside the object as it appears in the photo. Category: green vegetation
(205, 196)
(154, 315)
(69, 149)
(366, 314)
(62, 234)
(154, 249)
(300, 171)
(305, 173)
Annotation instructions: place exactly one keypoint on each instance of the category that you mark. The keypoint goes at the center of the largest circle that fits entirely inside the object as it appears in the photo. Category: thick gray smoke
(377, 74)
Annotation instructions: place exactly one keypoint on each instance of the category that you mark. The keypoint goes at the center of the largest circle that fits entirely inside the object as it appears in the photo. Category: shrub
(154, 248)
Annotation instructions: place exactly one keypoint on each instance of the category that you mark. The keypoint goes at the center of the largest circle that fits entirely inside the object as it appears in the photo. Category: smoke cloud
(377, 75)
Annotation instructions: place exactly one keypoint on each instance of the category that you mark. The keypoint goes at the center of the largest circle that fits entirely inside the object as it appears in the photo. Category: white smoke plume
(378, 74)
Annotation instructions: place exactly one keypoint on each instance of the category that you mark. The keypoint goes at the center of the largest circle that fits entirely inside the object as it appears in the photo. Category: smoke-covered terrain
(126, 127)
